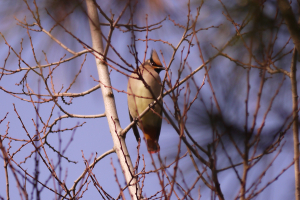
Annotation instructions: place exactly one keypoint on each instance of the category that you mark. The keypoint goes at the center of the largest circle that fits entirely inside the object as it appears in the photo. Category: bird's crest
(154, 59)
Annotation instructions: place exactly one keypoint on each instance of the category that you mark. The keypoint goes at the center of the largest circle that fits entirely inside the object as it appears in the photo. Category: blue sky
(94, 136)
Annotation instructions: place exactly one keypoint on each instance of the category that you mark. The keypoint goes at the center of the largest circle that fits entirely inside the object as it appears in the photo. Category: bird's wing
(134, 128)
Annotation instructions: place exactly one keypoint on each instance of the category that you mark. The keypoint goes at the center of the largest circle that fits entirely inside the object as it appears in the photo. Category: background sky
(94, 136)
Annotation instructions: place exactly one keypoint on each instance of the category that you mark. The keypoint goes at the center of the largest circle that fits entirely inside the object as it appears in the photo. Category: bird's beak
(159, 68)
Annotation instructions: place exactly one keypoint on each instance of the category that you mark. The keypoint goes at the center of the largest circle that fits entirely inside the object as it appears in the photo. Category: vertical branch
(293, 27)
(290, 20)
(5, 158)
(295, 123)
(246, 154)
(109, 102)
(6, 178)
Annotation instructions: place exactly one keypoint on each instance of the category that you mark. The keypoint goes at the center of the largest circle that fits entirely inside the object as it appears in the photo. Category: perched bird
(139, 96)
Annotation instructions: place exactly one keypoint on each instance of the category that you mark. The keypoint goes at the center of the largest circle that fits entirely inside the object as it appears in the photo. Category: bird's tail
(152, 146)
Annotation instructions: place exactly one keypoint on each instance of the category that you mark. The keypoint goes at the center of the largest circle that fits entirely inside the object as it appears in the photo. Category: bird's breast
(139, 97)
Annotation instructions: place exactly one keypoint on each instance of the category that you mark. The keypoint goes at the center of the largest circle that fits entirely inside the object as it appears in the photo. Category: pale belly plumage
(139, 98)
(140, 104)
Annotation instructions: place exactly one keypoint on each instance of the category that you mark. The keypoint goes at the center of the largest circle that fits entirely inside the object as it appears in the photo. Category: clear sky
(94, 136)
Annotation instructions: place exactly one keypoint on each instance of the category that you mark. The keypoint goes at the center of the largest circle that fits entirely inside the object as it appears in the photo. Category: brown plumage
(139, 98)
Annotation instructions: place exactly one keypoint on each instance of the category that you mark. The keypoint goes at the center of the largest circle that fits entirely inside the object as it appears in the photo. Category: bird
(144, 86)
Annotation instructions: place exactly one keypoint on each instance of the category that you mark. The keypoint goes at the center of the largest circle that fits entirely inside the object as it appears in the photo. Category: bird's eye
(151, 62)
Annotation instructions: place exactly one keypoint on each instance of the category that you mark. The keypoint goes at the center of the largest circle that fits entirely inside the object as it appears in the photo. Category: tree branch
(109, 102)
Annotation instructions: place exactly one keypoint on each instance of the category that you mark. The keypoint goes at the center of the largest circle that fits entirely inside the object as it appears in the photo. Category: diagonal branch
(109, 101)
